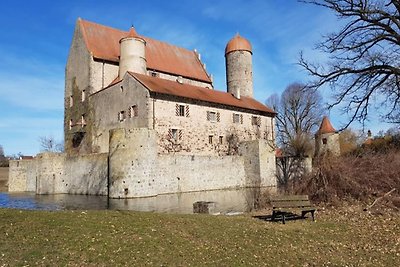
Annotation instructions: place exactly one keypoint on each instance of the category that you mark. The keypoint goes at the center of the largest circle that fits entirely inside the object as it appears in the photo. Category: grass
(340, 237)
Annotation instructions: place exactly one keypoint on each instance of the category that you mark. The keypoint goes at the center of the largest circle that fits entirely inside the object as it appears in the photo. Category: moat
(227, 201)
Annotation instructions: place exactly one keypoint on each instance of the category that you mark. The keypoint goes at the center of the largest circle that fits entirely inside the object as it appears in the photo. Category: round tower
(132, 54)
(327, 139)
(239, 67)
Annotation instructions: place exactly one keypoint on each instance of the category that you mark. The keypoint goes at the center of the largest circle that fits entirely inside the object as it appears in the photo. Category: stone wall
(58, 173)
(137, 170)
(195, 128)
(327, 144)
(110, 102)
(22, 175)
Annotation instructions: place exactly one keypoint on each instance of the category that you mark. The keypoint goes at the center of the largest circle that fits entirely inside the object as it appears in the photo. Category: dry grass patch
(104, 238)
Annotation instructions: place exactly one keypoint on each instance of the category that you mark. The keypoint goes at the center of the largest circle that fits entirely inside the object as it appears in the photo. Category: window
(324, 141)
(70, 124)
(221, 139)
(83, 95)
(133, 111)
(210, 139)
(121, 88)
(182, 110)
(121, 116)
(175, 135)
(71, 101)
(255, 120)
(237, 118)
(213, 116)
(83, 121)
(153, 74)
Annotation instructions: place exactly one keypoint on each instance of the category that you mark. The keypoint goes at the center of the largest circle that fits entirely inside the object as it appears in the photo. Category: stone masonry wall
(194, 129)
(52, 173)
(22, 176)
(137, 170)
(110, 102)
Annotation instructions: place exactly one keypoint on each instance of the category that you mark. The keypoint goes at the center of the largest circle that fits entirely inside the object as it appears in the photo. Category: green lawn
(115, 238)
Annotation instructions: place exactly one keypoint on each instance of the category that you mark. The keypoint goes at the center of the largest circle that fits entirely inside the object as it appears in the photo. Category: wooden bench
(285, 206)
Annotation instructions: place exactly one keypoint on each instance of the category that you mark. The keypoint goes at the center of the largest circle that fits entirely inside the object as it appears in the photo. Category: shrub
(359, 178)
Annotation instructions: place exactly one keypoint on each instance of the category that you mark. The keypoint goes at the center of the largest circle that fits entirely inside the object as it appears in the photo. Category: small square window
(210, 139)
(255, 120)
(324, 141)
(211, 116)
(121, 116)
(236, 118)
(181, 110)
(175, 135)
(153, 74)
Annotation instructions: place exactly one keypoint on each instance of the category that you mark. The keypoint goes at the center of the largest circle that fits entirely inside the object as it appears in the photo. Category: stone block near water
(206, 207)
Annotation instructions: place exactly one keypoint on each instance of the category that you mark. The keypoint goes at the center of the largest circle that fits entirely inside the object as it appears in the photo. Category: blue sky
(36, 35)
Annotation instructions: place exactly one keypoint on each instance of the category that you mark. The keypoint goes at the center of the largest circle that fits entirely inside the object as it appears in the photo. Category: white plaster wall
(102, 74)
(133, 56)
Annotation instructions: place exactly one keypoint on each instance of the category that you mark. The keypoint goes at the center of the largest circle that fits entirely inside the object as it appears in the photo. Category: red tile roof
(168, 87)
(326, 126)
(103, 43)
(238, 43)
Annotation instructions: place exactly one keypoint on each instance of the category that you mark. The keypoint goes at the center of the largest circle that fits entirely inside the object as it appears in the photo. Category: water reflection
(240, 200)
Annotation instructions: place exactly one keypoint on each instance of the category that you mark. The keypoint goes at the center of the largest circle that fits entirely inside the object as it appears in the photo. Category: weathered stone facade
(150, 127)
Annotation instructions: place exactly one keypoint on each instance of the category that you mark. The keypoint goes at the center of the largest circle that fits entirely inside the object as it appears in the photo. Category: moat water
(226, 202)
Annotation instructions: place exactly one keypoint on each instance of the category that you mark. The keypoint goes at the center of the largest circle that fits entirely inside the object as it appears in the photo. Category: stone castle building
(142, 118)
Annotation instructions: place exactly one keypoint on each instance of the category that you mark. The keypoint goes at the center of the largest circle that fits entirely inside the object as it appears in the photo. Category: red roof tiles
(238, 43)
(168, 87)
(103, 43)
(326, 126)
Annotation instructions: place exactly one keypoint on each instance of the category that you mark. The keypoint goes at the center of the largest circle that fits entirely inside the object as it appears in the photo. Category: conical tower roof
(132, 34)
(326, 126)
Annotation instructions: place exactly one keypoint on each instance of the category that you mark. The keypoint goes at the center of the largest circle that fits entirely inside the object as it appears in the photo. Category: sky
(36, 36)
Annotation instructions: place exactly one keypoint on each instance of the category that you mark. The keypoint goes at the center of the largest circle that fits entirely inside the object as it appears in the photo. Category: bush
(360, 178)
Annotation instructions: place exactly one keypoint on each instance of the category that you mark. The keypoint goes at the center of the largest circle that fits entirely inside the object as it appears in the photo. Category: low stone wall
(22, 175)
(58, 173)
(134, 168)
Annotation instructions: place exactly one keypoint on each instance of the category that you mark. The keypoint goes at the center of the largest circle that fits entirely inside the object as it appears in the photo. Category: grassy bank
(113, 238)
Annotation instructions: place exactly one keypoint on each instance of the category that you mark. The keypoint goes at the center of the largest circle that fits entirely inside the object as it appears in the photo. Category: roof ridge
(101, 42)
(190, 93)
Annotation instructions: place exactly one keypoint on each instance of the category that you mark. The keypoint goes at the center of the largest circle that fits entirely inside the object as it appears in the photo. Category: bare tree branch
(363, 67)
(299, 114)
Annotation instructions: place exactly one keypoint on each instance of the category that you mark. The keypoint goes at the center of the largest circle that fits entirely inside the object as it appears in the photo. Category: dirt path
(3, 179)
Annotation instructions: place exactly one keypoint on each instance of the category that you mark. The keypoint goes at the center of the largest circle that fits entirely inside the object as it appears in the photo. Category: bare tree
(363, 67)
(299, 114)
(49, 144)
(1, 151)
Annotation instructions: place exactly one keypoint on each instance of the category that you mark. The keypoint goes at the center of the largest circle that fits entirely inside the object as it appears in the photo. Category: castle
(142, 118)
